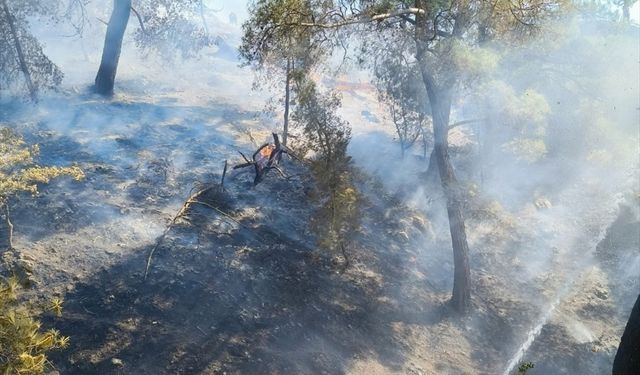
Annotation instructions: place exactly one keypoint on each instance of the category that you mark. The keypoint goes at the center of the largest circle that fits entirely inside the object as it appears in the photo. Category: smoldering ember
(320, 187)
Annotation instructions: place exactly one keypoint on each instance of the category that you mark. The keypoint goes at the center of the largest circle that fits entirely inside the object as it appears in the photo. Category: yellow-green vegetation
(18, 171)
(327, 137)
(338, 216)
(23, 345)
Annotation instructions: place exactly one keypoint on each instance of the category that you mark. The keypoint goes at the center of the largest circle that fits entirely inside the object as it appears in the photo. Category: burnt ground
(249, 300)
(239, 295)
(243, 292)
(248, 291)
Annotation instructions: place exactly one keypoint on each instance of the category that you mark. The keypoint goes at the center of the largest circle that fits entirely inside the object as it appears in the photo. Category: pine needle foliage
(23, 344)
(18, 170)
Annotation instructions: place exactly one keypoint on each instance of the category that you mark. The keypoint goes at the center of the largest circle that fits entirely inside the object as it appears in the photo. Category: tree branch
(437, 32)
(360, 19)
(139, 18)
(465, 122)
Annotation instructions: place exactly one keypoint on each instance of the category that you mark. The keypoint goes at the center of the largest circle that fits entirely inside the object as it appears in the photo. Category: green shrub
(326, 139)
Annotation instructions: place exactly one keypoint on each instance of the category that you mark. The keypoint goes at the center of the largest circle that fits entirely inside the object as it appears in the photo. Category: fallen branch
(280, 171)
(228, 216)
(193, 199)
(183, 210)
(215, 209)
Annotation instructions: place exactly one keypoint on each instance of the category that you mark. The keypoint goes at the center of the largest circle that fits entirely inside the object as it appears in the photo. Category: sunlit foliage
(18, 171)
(23, 344)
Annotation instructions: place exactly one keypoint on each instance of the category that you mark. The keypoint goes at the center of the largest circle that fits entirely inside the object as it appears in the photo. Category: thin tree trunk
(106, 76)
(287, 97)
(440, 102)
(21, 59)
(7, 219)
(480, 155)
(627, 361)
(626, 15)
(204, 20)
(424, 144)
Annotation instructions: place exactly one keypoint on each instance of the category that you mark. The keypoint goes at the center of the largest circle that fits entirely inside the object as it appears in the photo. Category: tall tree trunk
(287, 98)
(627, 361)
(431, 175)
(21, 60)
(440, 103)
(461, 296)
(626, 15)
(112, 46)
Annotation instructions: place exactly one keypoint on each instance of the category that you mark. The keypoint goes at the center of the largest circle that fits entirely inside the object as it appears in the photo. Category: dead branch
(280, 171)
(193, 199)
(224, 173)
(215, 209)
(244, 157)
(183, 210)
(228, 216)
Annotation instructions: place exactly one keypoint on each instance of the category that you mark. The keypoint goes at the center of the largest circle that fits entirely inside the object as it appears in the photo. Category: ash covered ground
(244, 289)
(249, 292)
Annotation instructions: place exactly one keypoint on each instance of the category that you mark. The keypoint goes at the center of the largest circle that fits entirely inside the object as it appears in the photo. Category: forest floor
(244, 289)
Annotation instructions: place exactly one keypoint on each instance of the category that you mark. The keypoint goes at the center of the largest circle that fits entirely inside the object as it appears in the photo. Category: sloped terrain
(238, 284)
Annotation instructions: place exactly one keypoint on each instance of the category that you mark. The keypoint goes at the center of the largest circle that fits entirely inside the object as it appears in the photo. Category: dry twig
(183, 210)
